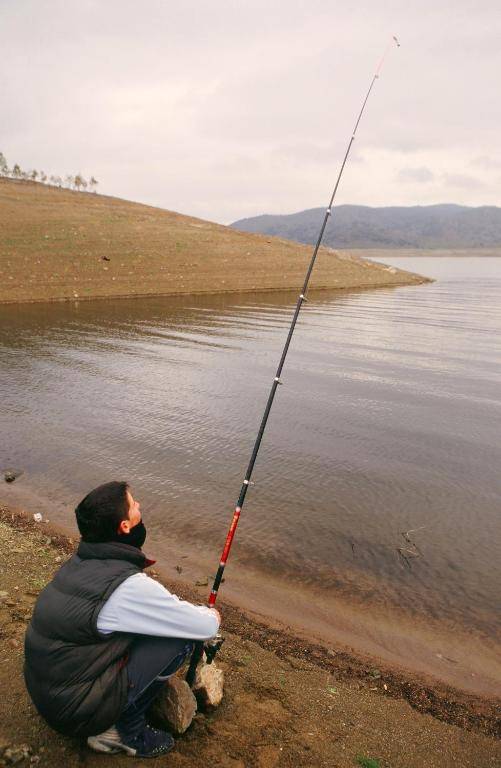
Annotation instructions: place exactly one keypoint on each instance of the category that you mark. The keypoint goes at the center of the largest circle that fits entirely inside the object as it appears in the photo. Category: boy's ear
(124, 527)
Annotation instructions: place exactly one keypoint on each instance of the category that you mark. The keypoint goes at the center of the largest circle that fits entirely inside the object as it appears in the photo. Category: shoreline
(423, 693)
(489, 252)
(219, 292)
(441, 650)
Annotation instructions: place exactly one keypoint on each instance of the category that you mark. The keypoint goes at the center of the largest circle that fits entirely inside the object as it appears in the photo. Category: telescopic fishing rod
(211, 648)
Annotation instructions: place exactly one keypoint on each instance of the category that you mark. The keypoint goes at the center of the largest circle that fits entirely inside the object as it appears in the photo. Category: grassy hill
(59, 244)
(358, 226)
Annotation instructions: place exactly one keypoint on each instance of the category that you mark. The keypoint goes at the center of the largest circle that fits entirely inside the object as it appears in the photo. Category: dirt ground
(56, 244)
(287, 704)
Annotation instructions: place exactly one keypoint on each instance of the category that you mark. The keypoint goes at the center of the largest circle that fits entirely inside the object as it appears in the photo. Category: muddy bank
(348, 706)
(56, 244)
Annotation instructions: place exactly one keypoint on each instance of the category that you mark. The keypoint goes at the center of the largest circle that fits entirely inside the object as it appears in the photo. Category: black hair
(100, 513)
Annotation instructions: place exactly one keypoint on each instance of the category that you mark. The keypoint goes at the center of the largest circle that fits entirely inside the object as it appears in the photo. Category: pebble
(14, 755)
(12, 474)
(37, 517)
(375, 673)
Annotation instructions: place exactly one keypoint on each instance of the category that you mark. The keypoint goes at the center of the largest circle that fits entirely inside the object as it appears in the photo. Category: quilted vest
(74, 674)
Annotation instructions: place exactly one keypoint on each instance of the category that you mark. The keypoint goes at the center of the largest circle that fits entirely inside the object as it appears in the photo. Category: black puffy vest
(74, 674)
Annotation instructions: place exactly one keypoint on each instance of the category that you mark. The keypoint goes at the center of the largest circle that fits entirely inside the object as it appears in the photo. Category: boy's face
(134, 515)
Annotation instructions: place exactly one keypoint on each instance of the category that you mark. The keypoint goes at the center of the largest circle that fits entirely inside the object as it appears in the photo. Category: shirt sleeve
(143, 606)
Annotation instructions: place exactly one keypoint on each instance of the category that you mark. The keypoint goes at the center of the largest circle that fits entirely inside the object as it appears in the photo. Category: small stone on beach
(175, 707)
(12, 474)
(208, 686)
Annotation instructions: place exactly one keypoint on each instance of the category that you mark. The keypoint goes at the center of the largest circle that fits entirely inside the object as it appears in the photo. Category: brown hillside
(59, 244)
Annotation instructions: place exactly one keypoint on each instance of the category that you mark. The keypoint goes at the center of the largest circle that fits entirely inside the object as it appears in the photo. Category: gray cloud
(463, 181)
(420, 175)
(227, 109)
(486, 162)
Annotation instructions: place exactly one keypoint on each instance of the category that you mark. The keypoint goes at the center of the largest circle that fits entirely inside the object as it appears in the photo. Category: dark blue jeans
(151, 661)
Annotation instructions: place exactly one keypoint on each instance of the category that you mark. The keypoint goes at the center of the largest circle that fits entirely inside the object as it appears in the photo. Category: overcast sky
(224, 109)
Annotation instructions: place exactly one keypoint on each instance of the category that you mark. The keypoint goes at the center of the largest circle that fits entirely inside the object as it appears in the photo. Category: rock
(179, 569)
(12, 474)
(37, 517)
(175, 707)
(208, 686)
(14, 755)
(202, 582)
(3, 595)
(375, 673)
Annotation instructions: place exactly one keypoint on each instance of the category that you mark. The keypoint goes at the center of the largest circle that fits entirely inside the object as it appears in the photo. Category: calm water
(389, 420)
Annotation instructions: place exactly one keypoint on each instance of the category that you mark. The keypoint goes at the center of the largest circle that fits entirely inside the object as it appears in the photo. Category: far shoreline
(419, 253)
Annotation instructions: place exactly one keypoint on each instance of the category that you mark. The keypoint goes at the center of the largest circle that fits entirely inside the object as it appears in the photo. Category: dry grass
(59, 244)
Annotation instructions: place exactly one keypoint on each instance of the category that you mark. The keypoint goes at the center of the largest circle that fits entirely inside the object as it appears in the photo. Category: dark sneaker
(150, 743)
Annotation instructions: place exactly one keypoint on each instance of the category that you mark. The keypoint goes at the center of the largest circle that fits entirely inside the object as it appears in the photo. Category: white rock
(37, 517)
(208, 686)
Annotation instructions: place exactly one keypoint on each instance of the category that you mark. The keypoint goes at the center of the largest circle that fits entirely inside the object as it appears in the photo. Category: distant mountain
(358, 226)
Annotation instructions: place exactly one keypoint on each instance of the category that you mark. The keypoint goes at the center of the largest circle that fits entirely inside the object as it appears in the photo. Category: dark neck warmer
(111, 550)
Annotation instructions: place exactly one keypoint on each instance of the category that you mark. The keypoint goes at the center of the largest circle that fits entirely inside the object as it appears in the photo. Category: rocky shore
(288, 702)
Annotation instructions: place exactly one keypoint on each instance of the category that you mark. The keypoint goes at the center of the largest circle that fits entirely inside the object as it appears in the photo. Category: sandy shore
(349, 706)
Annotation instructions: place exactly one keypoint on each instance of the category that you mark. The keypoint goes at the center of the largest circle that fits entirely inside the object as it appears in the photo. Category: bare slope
(59, 244)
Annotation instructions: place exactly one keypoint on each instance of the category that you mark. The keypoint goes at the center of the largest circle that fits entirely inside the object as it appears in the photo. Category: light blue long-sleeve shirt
(143, 606)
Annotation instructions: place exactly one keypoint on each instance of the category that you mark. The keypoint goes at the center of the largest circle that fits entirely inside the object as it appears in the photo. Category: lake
(388, 422)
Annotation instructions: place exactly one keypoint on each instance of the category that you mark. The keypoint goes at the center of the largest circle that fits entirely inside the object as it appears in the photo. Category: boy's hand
(217, 614)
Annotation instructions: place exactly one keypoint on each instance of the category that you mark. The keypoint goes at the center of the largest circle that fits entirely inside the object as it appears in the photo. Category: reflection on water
(389, 421)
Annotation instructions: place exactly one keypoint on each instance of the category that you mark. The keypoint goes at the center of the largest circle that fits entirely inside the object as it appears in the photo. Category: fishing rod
(213, 646)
